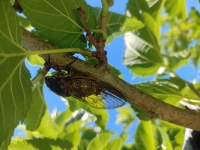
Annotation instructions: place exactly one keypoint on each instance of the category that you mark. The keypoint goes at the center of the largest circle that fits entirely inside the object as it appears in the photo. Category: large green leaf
(144, 138)
(117, 143)
(62, 118)
(125, 117)
(114, 22)
(142, 54)
(165, 139)
(59, 21)
(100, 141)
(101, 114)
(38, 117)
(176, 8)
(40, 143)
(71, 132)
(175, 134)
(163, 90)
(15, 85)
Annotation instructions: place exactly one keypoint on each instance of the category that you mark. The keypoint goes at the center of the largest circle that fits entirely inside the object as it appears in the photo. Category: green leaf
(165, 139)
(24, 22)
(15, 85)
(177, 59)
(71, 132)
(125, 116)
(62, 118)
(40, 143)
(190, 94)
(131, 23)
(35, 60)
(175, 133)
(163, 90)
(176, 8)
(153, 18)
(59, 22)
(100, 141)
(75, 104)
(101, 114)
(195, 55)
(194, 20)
(141, 114)
(117, 143)
(144, 138)
(21, 144)
(142, 54)
(38, 117)
(115, 71)
(114, 23)
(179, 139)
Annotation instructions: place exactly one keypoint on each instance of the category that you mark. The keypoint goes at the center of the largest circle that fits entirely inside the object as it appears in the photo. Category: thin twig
(85, 24)
(100, 44)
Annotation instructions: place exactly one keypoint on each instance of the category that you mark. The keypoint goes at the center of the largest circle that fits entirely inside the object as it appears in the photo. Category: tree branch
(156, 108)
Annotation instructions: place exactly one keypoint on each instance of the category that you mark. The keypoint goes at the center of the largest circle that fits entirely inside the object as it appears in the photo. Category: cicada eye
(56, 85)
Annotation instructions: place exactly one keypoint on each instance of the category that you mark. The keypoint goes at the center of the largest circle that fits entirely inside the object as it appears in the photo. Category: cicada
(94, 92)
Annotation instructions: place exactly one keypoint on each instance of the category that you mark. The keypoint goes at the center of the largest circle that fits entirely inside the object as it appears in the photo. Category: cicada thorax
(89, 90)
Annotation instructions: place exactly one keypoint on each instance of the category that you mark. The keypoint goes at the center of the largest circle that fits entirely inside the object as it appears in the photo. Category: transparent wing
(105, 99)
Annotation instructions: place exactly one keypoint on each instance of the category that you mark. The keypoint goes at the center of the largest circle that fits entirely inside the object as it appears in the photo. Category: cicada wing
(104, 100)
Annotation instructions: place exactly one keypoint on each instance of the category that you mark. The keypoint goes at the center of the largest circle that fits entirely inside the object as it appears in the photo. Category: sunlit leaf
(75, 104)
(142, 54)
(144, 138)
(24, 22)
(130, 24)
(19, 143)
(101, 114)
(100, 141)
(116, 143)
(114, 22)
(71, 132)
(35, 60)
(15, 85)
(174, 132)
(195, 55)
(162, 90)
(38, 117)
(165, 139)
(179, 139)
(59, 22)
(62, 118)
(176, 8)
(177, 59)
(125, 116)
(40, 143)
(141, 114)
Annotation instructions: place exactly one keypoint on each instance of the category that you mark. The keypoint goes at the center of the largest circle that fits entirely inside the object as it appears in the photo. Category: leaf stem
(50, 51)
(40, 75)
(104, 7)
(100, 31)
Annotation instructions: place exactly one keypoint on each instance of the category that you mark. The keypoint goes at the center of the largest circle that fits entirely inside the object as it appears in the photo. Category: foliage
(148, 52)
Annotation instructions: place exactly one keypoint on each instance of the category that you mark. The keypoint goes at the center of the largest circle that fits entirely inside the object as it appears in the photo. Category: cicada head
(56, 85)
